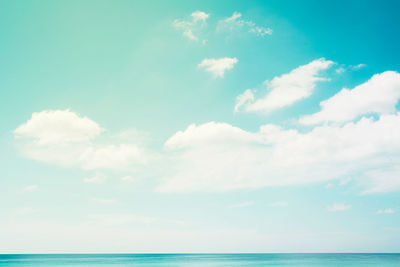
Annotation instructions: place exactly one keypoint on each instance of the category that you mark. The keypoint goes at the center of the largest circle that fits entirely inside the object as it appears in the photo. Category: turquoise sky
(199, 126)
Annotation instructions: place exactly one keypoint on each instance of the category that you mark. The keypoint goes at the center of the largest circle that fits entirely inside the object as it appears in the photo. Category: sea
(194, 260)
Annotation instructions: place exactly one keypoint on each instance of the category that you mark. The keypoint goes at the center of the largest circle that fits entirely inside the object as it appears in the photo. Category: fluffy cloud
(58, 126)
(64, 138)
(235, 22)
(286, 89)
(218, 66)
(221, 157)
(195, 23)
(338, 207)
(378, 95)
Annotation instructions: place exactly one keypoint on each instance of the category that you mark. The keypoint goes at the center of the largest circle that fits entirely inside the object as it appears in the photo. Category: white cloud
(338, 207)
(287, 89)
(211, 133)
(97, 179)
(243, 204)
(199, 15)
(194, 24)
(386, 211)
(279, 204)
(235, 22)
(380, 94)
(29, 188)
(220, 157)
(58, 126)
(63, 138)
(218, 66)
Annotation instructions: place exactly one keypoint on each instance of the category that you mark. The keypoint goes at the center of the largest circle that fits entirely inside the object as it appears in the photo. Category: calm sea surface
(298, 260)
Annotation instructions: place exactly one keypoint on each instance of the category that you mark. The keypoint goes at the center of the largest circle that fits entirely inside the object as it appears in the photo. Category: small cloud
(340, 70)
(386, 211)
(279, 204)
(127, 178)
(189, 34)
(359, 66)
(199, 15)
(261, 31)
(104, 200)
(345, 181)
(338, 207)
(328, 186)
(97, 179)
(218, 66)
(243, 204)
(29, 188)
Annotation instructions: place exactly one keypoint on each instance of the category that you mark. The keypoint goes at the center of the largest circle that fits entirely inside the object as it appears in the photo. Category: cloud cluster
(64, 138)
(284, 90)
(217, 67)
(220, 157)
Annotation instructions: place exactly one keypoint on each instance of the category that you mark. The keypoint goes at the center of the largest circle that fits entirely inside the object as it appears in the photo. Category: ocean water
(298, 260)
(192, 260)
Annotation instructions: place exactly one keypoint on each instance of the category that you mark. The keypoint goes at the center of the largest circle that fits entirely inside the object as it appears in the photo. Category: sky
(199, 126)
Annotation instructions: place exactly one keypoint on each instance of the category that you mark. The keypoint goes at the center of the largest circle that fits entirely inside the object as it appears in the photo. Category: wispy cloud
(338, 207)
(96, 179)
(127, 178)
(102, 200)
(30, 188)
(286, 89)
(386, 211)
(194, 24)
(235, 22)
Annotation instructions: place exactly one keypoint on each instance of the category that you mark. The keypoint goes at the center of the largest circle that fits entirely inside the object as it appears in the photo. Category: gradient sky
(199, 126)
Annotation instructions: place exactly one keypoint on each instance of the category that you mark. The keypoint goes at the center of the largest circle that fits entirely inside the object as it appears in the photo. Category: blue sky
(204, 126)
